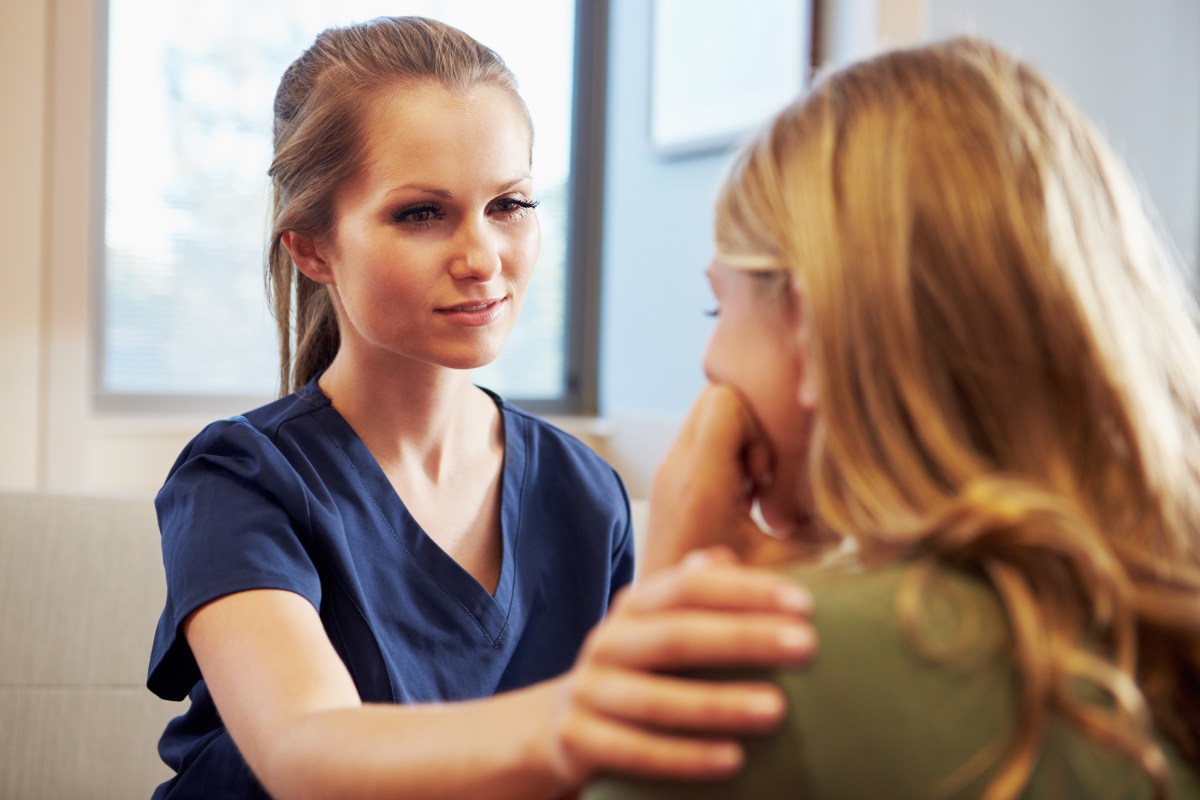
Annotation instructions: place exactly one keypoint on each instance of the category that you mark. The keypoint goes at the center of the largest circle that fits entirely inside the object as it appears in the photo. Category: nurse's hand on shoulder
(620, 709)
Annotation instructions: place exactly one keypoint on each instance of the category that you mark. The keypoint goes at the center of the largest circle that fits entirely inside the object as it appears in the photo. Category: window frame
(585, 192)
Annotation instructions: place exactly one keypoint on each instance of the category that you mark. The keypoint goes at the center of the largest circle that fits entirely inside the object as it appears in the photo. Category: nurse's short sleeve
(624, 548)
(234, 516)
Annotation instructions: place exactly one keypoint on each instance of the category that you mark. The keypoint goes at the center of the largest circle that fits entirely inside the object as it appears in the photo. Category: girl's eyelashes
(713, 312)
(419, 214)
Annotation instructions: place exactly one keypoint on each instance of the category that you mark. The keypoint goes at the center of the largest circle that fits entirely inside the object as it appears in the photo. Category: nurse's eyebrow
(504, 187)
(446, 194)
(421, 187)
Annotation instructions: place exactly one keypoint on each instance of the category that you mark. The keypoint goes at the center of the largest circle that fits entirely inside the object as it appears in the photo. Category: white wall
(22, 214)
(1133, 66)
(657, 241)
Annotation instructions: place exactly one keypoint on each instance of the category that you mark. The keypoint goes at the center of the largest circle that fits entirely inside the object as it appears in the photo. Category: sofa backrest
(81, 587)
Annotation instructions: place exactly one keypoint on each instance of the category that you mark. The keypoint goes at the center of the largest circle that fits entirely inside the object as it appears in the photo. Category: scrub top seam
(400, 540)
(527, 447)
(337, 579)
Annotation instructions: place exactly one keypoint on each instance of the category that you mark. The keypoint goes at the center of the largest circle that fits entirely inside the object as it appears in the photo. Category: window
(183, 314)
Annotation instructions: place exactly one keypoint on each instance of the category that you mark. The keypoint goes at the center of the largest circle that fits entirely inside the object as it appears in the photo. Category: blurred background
(133, 150)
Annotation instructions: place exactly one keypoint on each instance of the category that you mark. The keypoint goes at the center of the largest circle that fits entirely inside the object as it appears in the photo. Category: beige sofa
(81, 587)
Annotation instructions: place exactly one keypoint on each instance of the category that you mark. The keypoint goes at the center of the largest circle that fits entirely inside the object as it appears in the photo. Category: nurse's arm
(292, 708)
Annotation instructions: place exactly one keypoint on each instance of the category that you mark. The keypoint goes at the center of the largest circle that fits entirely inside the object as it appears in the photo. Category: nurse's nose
(476, 253)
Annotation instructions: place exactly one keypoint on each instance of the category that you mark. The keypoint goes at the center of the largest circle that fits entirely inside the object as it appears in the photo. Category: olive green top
(872, 717)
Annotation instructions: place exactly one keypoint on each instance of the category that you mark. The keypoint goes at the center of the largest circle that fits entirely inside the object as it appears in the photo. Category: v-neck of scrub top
(489, 610)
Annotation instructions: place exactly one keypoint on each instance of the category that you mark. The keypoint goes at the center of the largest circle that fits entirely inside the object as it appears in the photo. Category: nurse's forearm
(486, 748)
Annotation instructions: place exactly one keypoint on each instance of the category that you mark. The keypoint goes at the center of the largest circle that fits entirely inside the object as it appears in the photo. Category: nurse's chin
(469, 359)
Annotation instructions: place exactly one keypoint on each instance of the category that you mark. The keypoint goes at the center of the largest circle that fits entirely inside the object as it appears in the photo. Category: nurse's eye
(514, 206)
(420, 214)
(715, 311)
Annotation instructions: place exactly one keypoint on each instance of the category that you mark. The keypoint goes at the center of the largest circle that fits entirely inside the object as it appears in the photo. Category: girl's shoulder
(916, 666)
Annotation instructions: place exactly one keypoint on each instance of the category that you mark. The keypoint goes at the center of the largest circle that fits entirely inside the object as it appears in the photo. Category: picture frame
(719, 68)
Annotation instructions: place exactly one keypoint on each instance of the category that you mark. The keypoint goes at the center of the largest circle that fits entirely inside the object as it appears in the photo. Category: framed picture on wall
(719, 68)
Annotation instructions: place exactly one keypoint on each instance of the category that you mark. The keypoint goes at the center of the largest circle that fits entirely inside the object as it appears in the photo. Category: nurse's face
(436, 237)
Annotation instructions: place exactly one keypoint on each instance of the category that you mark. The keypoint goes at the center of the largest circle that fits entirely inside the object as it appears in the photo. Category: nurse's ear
(306, 254)
(806, 393)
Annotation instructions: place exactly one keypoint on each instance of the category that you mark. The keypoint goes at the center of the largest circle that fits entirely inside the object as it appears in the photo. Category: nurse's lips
(475, 312)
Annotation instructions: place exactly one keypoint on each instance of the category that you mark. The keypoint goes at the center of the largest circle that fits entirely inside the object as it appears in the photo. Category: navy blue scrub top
(288, 497)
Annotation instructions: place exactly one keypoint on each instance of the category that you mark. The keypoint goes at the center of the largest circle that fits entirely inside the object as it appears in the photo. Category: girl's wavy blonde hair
(1008, 364)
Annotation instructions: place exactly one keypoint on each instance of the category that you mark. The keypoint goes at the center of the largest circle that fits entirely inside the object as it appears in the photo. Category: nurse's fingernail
(766, 704)
(791, 597)
(796, 638)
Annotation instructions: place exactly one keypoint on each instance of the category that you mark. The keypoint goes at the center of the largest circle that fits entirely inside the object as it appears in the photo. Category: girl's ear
(806, 392)
(304, 252)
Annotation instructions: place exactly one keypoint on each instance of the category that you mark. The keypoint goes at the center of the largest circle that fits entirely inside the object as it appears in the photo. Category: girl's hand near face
(705, 487)
(621, 710)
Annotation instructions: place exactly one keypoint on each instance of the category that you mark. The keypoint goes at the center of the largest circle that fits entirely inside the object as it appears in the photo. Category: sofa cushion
(81, 587)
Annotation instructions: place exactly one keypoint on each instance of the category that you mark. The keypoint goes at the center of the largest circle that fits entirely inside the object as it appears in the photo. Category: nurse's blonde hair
(1008, 371)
